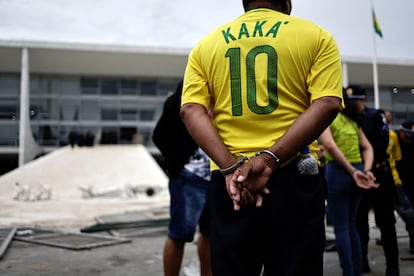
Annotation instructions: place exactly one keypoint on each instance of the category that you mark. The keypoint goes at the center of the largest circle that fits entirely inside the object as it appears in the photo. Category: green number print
(236, 80)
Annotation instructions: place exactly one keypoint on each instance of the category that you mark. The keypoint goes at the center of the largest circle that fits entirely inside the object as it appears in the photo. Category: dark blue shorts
(188, 206)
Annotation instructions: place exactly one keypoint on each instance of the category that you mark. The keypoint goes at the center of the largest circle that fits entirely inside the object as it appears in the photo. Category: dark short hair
(351, 110)
(355, 92)
(246, 2)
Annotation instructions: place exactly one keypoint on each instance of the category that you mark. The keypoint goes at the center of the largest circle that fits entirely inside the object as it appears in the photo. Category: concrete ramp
(81, 183)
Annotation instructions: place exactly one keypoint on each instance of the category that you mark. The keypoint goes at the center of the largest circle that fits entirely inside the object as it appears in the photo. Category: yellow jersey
(259, 73)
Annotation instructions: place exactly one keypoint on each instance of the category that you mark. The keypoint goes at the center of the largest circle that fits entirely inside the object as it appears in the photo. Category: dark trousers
(284, 237)
(382, 202)
(405, 209)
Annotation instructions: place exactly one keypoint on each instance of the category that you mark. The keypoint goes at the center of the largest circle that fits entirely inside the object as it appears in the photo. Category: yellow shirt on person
(345, 133)
(394, 153)
(259, 73)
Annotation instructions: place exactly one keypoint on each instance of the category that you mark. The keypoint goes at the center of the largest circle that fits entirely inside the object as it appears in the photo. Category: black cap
(356, 92)
(408, 127)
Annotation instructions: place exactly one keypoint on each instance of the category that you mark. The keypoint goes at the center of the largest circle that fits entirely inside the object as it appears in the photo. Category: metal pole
(374, 62)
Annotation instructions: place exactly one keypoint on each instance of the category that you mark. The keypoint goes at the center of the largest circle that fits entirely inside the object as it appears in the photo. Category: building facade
(114, 95)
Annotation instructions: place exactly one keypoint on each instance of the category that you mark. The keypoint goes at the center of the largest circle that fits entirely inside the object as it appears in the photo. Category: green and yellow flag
(377, 27)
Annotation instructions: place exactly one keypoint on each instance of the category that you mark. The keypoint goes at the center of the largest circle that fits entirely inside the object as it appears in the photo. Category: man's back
(259, 75)
(271, 63)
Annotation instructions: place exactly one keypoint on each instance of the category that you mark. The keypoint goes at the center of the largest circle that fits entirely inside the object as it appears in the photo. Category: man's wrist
(235, 166)
(274, 157)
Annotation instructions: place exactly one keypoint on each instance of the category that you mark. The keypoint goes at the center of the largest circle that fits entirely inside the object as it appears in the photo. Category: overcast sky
(181, 23)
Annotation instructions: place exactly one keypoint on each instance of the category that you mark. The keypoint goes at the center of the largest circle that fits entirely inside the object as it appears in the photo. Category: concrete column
(345, 74)
(28, 148)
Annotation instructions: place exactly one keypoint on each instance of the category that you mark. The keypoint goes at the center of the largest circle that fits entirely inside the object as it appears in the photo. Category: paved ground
(143, 256)
(68, 211)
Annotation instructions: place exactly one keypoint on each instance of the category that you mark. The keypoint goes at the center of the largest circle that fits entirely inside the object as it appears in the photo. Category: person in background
(273, 83)
(349, 158)
(189, 180)
(403, 205)
(330, 244)
(405, 165)
(381, 200)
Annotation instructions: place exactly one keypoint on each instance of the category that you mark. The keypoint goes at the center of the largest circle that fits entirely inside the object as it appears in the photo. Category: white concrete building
(50, 87)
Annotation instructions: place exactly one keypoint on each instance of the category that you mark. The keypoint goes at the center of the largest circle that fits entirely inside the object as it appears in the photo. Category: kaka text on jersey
(261, 29)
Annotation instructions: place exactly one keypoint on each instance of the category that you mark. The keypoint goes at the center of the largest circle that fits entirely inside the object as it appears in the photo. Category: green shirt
(345, 134)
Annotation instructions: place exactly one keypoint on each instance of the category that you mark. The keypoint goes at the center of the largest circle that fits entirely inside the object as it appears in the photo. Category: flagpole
(374, 62)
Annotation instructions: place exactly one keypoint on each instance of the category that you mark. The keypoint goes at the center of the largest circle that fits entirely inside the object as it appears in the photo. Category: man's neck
(267, 5)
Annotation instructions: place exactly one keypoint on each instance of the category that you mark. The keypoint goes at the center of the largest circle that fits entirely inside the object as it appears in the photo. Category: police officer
(376, 129)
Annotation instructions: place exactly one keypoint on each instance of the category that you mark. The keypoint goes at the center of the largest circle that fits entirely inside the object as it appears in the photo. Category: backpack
(171, 137)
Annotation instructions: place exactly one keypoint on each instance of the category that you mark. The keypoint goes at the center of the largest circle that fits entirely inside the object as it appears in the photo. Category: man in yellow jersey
(273, 83)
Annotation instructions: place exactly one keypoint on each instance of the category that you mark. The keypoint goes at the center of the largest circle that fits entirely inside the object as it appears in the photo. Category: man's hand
(233, 191)
(247, 183)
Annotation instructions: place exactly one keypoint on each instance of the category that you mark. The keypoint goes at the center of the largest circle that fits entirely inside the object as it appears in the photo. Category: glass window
(36, 85)
(8, 109)
(52, 109)
(402, 104)
(89, 110)
(69, 110)
(89, 86)
(146, 115)
(109, 114)
(403, 96)
(65, 86)
(148, 88)
(9, 135)
(9, 84)
(128, 114)
(41, 108)
(109, 87)
(165, 88)
(128, 87)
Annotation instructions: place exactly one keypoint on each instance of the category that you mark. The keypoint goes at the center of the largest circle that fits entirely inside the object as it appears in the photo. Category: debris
(6, 237)
(35, 193)
(154, 218)
(74, 241)
(124, 225)
(129, 191)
